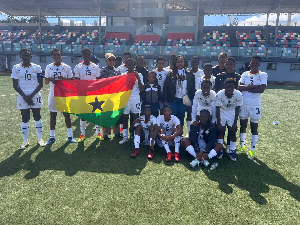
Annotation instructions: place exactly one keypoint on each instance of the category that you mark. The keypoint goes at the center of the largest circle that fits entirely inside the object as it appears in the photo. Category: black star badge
(96, 104)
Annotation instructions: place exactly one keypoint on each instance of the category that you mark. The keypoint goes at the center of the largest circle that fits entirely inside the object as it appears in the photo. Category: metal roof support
(277, 22)
(99, 24)
(197, 23)
(267, 23)
(40, 25)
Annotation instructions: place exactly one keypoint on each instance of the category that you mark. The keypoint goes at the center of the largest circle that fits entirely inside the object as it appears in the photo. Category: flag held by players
(100, 102)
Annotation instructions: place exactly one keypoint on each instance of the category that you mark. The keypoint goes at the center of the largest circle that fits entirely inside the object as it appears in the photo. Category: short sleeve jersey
(198, 79)
(87, 72)
(202, 78)
(27, 76)
(229, 104)
(147, 125)
(122, 69)
(253, 99)
(53, 71)
(135, 93)
(203, 102)
(161, 77)
(170, 125)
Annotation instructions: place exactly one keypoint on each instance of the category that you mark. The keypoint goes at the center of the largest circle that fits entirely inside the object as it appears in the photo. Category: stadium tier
(216, 42)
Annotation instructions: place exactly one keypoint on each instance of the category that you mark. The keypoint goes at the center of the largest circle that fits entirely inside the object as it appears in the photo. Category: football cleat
(169, 156)
(135, 153)
(24, 145)
(123, 141)
(50, 141)
(81, 138)
(251, 154)
(41, 143)
(176, 157)
(150, 154)
(232, 157)
(72, 140)
(220, 154)
(241, 150)
(100, 137)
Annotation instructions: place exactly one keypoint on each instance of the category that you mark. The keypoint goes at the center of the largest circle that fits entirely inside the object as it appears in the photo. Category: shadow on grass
(253, 176)
(283, 87)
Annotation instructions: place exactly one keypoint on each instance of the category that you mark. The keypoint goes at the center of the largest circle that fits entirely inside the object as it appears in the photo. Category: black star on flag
(96, 104)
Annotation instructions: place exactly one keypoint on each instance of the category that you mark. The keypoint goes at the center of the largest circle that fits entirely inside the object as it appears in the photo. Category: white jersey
(253, 99)
(135, 93)
(53, 71)
(203, 102)
(181, 87)
(87, 72)
(228, 105)
(151, 122)
(161, 77)
(170, 125)
(198, 79)
(202, 78)
(27, 77)
(168, 69)
(122, 69)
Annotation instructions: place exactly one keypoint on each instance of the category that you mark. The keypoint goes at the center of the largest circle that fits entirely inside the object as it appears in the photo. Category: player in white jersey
(169, 133)
(57, 71)
(198, 73)
(145, 130)
(252, 84)
(87, 71)
(161, 74)
(122, 68)
(134, 102)
(228, 103)
(28, 81)
(207, 71)
(204, 99)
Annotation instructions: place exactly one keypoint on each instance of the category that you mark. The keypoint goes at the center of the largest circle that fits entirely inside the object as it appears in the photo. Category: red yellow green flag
(100, 102)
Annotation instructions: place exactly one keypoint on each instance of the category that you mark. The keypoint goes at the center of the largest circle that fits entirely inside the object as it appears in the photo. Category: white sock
(137, 140)
(125, 133)
(177, 143)
(212, 153)
(254, 139)
(25, 130)
(232, 146)
(190, 149)
(52, 133)
(82, 127)
(69, 132)
(151, 141)
(242, 139)
(220, 141)
(188, 125)
(98, 129)
(166, 145)
(39, 129)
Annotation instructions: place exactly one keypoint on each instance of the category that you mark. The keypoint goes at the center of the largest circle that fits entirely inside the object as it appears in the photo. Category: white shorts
(51, 104)
(226, 119)
(37, 102)
(254, 113)
(170, 143)
(133, 106)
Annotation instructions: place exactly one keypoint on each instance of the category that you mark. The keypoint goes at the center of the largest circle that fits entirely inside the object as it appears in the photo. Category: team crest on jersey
(63, 69)
(33, 70)
(207, 131)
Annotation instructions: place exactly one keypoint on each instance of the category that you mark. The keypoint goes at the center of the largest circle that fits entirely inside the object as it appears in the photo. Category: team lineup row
(213, 98)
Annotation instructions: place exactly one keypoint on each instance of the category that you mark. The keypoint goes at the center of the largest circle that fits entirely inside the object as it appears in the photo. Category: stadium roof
(72, 8)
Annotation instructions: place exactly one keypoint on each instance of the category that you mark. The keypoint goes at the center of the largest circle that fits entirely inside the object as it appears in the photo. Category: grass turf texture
(97, 182)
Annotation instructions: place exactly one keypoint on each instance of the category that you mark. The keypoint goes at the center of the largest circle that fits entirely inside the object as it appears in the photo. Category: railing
(271, 52)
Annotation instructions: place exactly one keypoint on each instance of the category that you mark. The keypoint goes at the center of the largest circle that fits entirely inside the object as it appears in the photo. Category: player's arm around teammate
(28, 81)
(57, 71)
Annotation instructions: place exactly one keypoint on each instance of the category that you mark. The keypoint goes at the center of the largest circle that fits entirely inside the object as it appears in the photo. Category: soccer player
(57, 71)
(169, 133)
(207, 70)
(228, 73)
(145, 128)
(171, 62)
(228, 104)
(87, 71)
(140, 67)
(28, 81)
(134, 102)
(161, 75)
(252, 84)
(221, 67)
(202, 141)
(205, 98)
(123, 69)
(198, 73)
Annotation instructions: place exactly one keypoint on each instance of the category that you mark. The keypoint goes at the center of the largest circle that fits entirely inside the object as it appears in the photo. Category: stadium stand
(216, 42)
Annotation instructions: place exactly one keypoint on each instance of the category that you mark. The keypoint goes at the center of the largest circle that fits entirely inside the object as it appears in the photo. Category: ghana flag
(100, 102)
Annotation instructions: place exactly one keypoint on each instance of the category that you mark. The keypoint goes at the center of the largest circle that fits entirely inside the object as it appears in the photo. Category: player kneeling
(202, 141)
(145, 128)
(169, 133)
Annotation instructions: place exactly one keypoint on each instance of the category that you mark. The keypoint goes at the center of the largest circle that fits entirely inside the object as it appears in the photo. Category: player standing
(123, 69)
(252, 84)
(221, 66)
(87, 71)
(28, 81)
(57, 71)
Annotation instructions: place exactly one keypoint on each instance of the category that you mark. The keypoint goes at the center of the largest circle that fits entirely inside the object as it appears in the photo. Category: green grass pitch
(98, 183)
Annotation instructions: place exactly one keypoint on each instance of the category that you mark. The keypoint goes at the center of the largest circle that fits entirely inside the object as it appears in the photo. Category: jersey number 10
(27, 76)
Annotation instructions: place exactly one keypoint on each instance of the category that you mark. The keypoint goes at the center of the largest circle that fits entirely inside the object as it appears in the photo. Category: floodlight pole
(40, 25)
(99, 24)
(197, 23)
